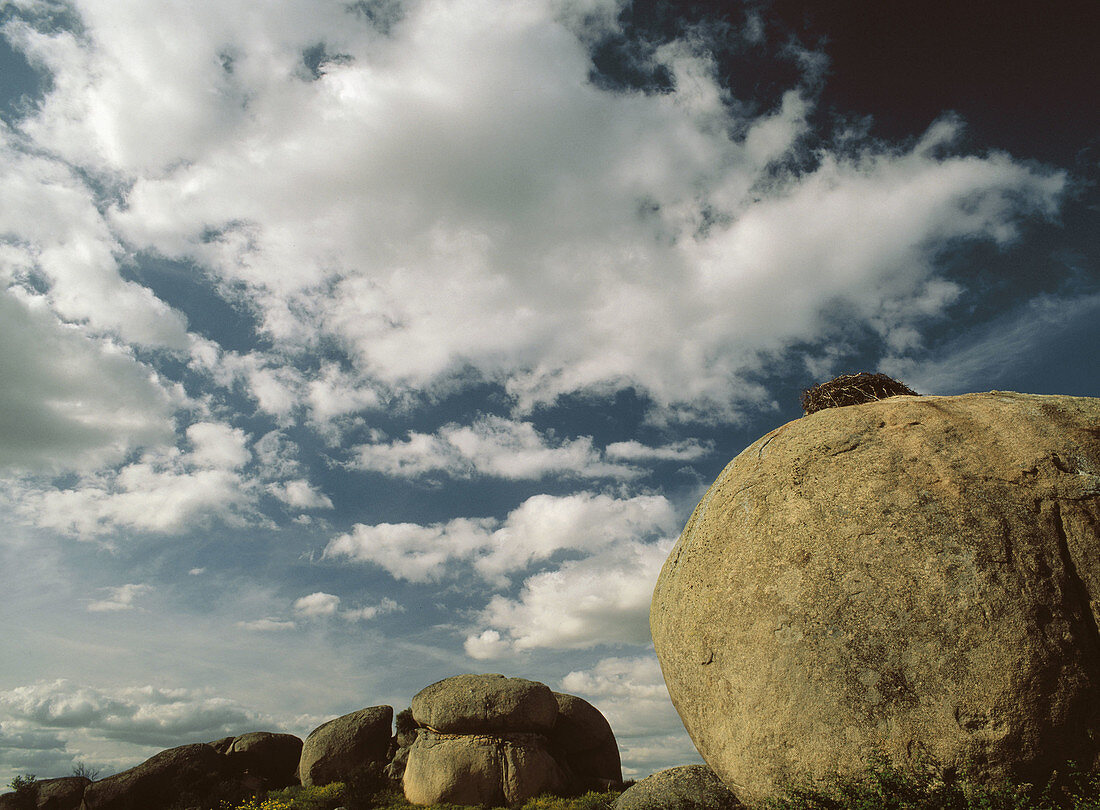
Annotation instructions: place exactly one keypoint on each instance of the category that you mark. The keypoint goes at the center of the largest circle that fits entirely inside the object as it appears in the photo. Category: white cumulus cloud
(601, 599)
(540, 527)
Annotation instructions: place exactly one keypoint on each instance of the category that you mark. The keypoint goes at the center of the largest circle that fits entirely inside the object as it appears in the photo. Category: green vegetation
(23, 783)
(25, 790)
(338, 794)
(886, 787)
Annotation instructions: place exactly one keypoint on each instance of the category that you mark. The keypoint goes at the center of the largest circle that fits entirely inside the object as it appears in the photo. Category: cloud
(55, 233)
(70, 401)
(540, 527)
(138, 714)
(632, 695)
(455, 200)
(267, 625)
(164, 492)
(491, 446)
(602, 599)
(218, 446)
(120, 598)
(320, 606)
(992, 356)
(317, 604)
(300, 494)
(686, 450)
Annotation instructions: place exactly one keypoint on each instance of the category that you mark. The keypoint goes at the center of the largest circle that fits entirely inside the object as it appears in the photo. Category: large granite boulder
(480, 769)
(583, 741)
(272, 757)
(342, 748)
(179, 777)
(688, 787)
(914, 576)
(479, 704)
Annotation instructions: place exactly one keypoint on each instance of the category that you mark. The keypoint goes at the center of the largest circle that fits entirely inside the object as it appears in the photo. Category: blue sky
(349, 346)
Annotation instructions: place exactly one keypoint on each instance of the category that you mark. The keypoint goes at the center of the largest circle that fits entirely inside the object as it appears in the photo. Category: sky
(346, 346)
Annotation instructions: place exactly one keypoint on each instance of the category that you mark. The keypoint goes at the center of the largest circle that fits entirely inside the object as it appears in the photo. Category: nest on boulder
(852, 389)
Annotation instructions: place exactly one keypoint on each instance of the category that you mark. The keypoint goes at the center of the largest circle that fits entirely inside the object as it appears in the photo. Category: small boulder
(688, 787)
(480, 769)
(188, 775)
(485, 704)
(272, 757)
(337, 750)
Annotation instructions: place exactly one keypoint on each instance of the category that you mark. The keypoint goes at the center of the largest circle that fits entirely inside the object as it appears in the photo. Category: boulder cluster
(470, 739)
(487, 739)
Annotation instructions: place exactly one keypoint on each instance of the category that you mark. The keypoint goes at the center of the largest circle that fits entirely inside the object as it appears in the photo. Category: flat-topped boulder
(485, 704)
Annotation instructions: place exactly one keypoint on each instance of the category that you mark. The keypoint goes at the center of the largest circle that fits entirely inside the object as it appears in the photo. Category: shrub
(297, 797)
(586, 801)
(884, 786)
(25, 790)
(85, 771)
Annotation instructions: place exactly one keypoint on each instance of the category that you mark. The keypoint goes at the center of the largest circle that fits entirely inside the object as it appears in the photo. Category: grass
(886, 787)
(881, 787)
(338, 794)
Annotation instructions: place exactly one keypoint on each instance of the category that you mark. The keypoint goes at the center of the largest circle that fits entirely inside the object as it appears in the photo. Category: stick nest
(852, 389)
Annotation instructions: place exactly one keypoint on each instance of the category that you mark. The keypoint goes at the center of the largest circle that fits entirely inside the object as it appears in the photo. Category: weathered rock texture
(475, 704)
(914, 574)
(688, 787)
(341, 748)
(174, 778)
(583, 741)
(480, 769)
(65, 793)
(487, 739)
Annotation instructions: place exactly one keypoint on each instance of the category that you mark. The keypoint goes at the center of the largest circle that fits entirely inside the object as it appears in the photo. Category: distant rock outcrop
(912, 576)
(180, 776)
(470, 739)
(688, 787)
(342, 748)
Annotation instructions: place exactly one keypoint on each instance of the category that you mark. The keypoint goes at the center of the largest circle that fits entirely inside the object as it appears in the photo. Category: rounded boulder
(582, 738)
(478, 704)
(272, 756)
(337, 750)
(688, 787)
(915, 576)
